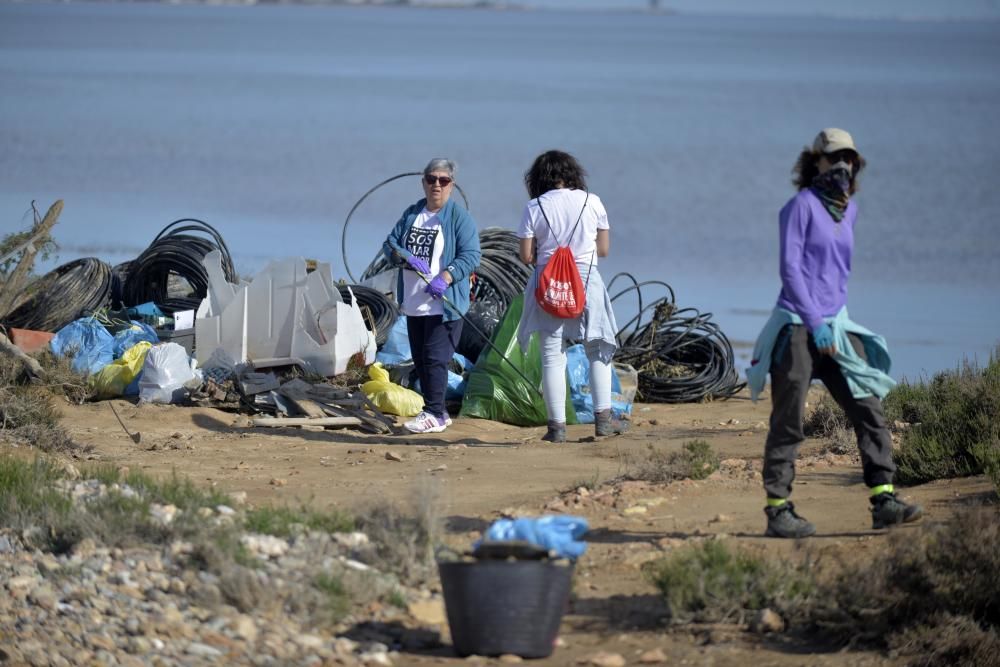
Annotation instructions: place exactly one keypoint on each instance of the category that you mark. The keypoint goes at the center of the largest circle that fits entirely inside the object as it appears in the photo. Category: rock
(43, 597)
(21, 582)
(238, 497)
(393, 456)
(353, 540)
(510, 658)
(162, 514)
(5, 546)
(605, 659)
(225, 510)
(635, 509)
(765, 621)
(203, 650)
(277, 481)
(721, 518)
(265, 545)
(428, 612)
(440, 468)
(652, 657)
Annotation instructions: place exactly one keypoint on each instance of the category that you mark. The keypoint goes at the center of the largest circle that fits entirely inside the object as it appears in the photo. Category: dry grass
(696, 460)
(28, 415)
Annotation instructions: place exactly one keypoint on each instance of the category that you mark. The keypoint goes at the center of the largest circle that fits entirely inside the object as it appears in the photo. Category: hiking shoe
(782, 521)
(425, 422)
(888, 510)
(556, 432)
(605, 424)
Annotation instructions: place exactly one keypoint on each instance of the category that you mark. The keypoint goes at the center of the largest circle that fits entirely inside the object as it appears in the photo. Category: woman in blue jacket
(436, 243)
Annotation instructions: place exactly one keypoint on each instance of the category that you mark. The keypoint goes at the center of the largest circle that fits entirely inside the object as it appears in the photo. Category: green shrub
(930, 575)
(711, 583)
(955, 421)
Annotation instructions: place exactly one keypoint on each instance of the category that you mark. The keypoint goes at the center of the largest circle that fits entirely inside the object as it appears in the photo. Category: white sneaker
(425, 422)
(447, 421)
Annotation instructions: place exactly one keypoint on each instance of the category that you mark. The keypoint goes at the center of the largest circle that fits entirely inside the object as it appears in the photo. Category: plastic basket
(496, 607)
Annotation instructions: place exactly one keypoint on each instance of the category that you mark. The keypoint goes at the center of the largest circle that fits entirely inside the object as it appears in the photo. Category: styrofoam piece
(283, 314)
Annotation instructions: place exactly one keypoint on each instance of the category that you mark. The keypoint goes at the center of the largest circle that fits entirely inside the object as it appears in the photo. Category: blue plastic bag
(396, 348)
(560, 533)
(136, 333)
(88, 342)
(578, 370)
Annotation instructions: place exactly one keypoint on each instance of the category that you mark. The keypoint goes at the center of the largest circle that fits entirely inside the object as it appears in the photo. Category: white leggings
(554, 376)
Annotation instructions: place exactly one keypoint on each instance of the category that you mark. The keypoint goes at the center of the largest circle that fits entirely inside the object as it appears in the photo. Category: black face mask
(841, 174)
(833, 186)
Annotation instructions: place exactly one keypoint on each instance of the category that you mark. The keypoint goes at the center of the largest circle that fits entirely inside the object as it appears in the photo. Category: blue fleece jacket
(865, 378)
(460, 255)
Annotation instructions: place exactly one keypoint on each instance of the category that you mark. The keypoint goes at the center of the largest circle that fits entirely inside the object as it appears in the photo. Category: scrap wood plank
(309, 407)
(369, 423)
(306, 421)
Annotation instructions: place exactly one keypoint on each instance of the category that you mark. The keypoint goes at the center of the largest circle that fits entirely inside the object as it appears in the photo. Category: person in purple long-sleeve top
(817, 238)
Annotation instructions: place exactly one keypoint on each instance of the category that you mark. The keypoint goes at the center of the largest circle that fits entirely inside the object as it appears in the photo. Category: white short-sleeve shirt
(563, 207)
(425, 240)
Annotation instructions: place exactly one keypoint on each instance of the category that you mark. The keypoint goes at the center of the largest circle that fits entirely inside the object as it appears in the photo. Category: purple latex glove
(418, 264)
(436, 287)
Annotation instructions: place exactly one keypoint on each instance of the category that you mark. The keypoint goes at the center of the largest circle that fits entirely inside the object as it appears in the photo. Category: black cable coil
(70, 291)
(680, 354)
(379, 311)
(175, 254)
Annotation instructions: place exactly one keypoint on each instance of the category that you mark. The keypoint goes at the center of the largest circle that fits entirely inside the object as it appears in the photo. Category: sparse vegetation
(955, 424)
(404, 540)
(828, 421)
(27, 413)
(282, 521)
(696, 460)
(935, 594)
(711, 583)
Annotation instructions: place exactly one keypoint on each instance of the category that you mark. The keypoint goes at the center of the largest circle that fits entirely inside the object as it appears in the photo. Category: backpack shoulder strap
(549, 224)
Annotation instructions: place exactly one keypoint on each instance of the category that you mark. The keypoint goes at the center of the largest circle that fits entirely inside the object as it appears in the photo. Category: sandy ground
(479, 470)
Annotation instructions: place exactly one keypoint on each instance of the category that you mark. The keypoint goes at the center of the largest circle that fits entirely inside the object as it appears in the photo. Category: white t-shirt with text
(424, 239)
(562, 207)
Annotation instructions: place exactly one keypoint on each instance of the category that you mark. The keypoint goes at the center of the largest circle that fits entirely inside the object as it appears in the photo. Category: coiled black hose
(680, 354)
(175, 254)
(380, 312)
(70, 291)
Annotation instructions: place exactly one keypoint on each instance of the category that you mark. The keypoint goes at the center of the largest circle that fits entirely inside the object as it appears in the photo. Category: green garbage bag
(496, 391)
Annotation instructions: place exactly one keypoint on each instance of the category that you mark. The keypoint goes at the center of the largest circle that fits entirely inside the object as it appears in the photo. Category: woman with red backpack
(563, 230)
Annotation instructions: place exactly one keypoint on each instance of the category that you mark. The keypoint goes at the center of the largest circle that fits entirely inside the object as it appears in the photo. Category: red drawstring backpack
(560, 291)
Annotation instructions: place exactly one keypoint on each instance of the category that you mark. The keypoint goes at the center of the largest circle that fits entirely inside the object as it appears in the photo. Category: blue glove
(418, 264)
(558, 533)
(823, 337)
(436, 287)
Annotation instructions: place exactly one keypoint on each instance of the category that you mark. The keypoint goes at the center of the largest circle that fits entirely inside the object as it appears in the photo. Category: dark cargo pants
(796, 362)
(432, 343)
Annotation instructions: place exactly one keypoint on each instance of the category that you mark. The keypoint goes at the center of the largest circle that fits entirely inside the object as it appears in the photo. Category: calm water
(270, 122)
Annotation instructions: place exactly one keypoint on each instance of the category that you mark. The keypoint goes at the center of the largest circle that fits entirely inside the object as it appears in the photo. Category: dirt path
(478, 470)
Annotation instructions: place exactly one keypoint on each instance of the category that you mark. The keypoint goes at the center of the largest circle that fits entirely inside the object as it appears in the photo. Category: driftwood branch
(12, 288)
(32, 367)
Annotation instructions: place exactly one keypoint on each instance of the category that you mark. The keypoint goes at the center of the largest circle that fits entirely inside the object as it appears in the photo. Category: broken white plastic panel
(284, 315)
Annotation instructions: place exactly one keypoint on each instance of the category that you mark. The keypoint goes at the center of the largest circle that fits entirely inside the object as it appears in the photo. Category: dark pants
(433, 342)
(796, 362)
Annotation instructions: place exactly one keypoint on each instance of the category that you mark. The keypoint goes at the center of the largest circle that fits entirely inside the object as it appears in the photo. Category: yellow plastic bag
(112, 380)
(389, 397)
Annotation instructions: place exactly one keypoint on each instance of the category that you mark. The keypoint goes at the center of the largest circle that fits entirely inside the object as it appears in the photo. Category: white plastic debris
(285, 315)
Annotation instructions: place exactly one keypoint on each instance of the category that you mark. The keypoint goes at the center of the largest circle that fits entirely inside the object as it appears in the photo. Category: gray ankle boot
(556, 432)
(603, 425)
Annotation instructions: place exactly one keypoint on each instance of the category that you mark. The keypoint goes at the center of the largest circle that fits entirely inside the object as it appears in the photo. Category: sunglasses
(844, 155)
(443, 181)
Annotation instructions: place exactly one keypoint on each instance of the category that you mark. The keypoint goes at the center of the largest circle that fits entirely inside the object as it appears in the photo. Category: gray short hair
(441, 164)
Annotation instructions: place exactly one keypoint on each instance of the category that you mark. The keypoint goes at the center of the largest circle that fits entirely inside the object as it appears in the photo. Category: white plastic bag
(164, 373)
